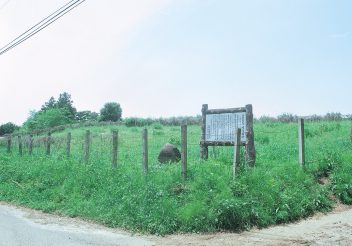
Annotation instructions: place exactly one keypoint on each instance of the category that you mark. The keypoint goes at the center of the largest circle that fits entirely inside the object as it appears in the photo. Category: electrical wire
(42, 24)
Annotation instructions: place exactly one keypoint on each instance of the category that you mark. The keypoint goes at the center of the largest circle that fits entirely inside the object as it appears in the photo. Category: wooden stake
(114, 148)
(236, 151)
(48, 143)
(301, 145)
(203, 146)
(9, 143)
(30, 147)
(20, 147)
(68, 145)
(145, 150)
(250, 148)
(87, 147)
(184, 150)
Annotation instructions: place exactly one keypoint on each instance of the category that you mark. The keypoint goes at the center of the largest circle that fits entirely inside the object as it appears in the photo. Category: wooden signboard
(219, 127)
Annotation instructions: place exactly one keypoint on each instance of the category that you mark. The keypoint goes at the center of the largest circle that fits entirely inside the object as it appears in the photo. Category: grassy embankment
(277, 190)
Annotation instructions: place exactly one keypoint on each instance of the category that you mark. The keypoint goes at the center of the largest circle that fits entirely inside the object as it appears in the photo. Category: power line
(42, 21)
(42, 24)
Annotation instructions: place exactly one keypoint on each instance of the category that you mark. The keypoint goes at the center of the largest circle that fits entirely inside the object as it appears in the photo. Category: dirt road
(19, 226)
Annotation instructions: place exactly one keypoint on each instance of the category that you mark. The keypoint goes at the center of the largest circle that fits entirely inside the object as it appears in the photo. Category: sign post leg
(237, 150)
(250, 148)
(203, 146)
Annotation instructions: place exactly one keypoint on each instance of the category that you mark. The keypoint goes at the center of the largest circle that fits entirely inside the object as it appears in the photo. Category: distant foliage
(172, 121)
(333, 116)
(64, 102)
(287, 118)
(111, 112)
(315, 117)
(87, 115)
(267, 119)
(8, 128)
(46, 119)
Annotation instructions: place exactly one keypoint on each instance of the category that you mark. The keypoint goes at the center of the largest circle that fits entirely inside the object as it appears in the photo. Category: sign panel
(222, 127)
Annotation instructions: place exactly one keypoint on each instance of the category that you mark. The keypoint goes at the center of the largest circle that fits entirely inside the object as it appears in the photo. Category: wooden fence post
(250, 148)
(184, 150)
(301, 145)
(20, 147)
(145, 150)
(203, 146)
(114, 148)
(87, 147)
(30, 147)
(48, 143)
(214, 152)
(237, 151)
(68, 145)
(9, 143)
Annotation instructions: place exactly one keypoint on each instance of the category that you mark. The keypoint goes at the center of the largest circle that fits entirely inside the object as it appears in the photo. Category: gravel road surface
(26, 227)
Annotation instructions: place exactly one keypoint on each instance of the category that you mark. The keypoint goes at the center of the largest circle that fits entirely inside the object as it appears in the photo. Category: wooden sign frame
(249, 133)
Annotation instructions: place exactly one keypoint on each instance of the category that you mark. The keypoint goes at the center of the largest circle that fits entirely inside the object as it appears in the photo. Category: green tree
(87, 116)
(49, 104)
(46, 119)
(65, 102)
(111, 112)
(8, 128)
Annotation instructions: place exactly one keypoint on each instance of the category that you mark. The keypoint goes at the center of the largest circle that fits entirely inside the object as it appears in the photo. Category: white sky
(168, 57)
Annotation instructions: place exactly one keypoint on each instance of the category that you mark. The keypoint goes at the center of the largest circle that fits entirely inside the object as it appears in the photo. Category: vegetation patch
(276, 191)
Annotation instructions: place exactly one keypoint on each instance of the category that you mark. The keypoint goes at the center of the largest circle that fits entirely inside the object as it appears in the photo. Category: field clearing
(277, 190)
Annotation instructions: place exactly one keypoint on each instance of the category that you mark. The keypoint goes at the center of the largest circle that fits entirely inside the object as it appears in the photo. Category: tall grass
(277, 190)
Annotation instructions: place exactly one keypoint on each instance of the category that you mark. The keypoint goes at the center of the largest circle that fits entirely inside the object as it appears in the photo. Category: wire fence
(272, 145)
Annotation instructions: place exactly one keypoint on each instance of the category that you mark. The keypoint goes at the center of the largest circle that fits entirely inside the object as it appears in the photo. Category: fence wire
(272, 145)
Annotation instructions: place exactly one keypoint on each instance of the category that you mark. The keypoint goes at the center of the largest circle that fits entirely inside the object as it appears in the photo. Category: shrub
(333, 116)
(47, 119)
(8, 128)
(111, 112)
(87, 116)
(287, 118)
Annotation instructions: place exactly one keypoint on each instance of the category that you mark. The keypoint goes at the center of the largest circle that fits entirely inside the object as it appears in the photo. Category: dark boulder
(169, 153)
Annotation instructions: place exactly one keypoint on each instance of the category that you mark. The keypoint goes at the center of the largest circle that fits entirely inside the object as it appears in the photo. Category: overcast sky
(168, 57)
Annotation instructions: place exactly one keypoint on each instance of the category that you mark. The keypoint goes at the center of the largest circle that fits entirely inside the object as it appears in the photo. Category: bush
(84, 116)
(333, 116)
(287, 118)
(111, 112)
(8, 128)
(267, 119)
(47, 119)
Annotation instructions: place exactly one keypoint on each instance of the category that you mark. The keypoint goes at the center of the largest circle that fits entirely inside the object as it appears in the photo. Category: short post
(184, 150)
(250, 148)
(203, 145)
(145, 150)
(87, 147)
(9, 143)
(237, 151)
(48, 143)
(114, 148)
(20, 147)
(214, 152)
(301, 146)
(30, 147)
(68, 145)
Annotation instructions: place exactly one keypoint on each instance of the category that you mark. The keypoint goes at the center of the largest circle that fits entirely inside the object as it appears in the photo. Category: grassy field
(277, 190)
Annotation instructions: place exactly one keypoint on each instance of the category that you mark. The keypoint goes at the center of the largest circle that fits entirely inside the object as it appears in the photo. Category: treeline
(61, 112)
(289, 118)
(57, 114)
